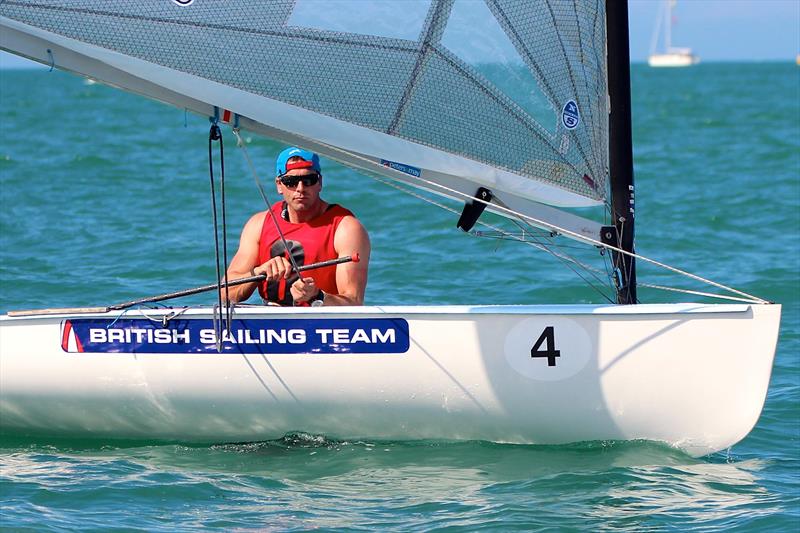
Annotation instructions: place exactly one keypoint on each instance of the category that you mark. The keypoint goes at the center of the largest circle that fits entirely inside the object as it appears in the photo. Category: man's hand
(276, 268)
(304, 289)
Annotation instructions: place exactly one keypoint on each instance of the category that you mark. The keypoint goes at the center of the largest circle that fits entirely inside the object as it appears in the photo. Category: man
(314, 231)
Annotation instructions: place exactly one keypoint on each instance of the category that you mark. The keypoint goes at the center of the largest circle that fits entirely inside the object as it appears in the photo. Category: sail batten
(432, 33)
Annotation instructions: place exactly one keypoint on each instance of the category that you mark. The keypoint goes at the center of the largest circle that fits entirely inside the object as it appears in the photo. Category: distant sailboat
(671, 56)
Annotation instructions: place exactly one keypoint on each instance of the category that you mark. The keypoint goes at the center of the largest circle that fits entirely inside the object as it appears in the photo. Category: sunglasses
(292, 181)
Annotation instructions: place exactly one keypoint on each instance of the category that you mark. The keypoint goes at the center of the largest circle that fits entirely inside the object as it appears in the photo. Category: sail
(502, 94)
(669, 56)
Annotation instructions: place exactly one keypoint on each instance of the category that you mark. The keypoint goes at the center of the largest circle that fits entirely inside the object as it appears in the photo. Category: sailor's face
(301, 195)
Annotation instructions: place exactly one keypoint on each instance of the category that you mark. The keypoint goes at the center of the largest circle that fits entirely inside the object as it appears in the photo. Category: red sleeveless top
(309, 242)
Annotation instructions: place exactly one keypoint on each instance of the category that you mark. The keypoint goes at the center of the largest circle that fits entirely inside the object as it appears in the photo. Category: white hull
(694, 376)
(678, 59)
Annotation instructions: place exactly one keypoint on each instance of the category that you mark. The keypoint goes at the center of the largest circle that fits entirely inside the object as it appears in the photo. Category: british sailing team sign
(265, 336)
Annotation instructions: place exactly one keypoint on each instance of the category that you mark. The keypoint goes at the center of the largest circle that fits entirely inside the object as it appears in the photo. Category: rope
(240, 143)
(626, 266)
(224, 233)
(215, 134)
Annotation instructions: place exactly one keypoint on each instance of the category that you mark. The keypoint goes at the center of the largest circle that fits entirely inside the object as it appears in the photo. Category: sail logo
(570, 116)
(406, 169)
(69, 340)
(263, 336)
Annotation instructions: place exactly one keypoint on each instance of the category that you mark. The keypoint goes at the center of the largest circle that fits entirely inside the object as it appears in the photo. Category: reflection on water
(310, 481)
(698, 494)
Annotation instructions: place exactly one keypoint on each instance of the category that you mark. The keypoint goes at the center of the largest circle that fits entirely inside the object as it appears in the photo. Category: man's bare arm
(246, 259)
(351, 278)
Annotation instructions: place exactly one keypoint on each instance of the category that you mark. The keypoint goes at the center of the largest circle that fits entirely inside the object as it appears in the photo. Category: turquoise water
(104, 198)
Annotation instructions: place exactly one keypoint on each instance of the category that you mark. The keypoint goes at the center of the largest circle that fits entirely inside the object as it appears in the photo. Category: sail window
(397, 20)
(474, 35)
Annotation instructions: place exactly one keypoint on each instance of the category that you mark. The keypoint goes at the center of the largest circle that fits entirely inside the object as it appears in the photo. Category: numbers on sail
(548, 338)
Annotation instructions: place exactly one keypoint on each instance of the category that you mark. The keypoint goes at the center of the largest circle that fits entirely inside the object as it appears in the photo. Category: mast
(668, 27)
(621, 146)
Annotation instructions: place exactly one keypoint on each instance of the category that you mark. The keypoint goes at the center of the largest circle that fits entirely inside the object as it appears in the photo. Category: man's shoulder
(257, 220)
(349, 222)
(336, 211)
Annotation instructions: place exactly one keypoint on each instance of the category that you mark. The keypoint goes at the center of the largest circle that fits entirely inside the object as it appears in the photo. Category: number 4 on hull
(548, 337)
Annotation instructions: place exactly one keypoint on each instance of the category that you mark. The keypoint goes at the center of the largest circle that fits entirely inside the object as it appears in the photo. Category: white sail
(668, 56)
(432, 102)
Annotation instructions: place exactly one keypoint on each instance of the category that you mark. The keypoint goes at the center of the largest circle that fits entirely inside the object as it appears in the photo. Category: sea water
(105, 198)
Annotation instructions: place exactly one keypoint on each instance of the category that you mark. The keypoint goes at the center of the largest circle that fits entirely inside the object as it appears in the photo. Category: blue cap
(310, 158)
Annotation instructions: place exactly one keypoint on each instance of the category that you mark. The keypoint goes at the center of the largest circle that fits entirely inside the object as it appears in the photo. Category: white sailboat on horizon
(671, 56)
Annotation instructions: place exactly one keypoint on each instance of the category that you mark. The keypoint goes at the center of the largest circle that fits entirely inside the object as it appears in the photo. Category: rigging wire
(564, 258)
(525, 236)
(215, 134)
(608, 258)
(573, 264)
(608, 265)
(619, 268)
(241, 144)
(698, 293)
(626, 265)
(224, 231)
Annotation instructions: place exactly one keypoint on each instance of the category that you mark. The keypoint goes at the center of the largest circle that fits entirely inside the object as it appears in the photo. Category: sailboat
(671, 56)
(410, 93)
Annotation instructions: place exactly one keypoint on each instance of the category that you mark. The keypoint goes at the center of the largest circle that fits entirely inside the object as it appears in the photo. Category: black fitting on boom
(609, 236)
(473, 209)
